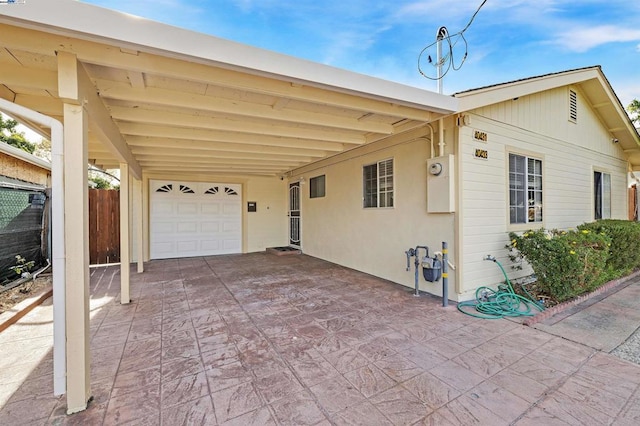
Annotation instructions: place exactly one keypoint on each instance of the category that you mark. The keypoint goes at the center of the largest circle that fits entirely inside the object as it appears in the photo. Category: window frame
(384, 185)
(314, 183)
(538, 188)
(599, 196)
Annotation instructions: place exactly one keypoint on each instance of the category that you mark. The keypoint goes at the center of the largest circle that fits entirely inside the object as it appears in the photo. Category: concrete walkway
(291, 340)
(609, 322)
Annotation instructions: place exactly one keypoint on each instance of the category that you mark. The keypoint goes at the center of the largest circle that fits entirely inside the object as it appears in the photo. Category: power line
(447, 61)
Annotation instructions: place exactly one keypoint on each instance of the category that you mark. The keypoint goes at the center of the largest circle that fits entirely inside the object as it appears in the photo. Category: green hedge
(624, 253)
(567, 263)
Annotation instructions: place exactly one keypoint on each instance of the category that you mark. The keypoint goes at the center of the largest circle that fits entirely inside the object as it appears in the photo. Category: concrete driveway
(261, 339)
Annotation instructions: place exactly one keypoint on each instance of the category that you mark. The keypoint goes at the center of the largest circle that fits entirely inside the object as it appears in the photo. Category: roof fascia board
(84, 21)
(503, 92)
(622, 113)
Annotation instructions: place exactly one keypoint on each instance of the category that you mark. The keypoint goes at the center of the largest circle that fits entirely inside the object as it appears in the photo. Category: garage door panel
(211, 245)
(210, 227)
(187, 208)
(211, 208)
(230, 227)
(231, 208)
(163, 208)
(197, 222)
(187, 227)
(161, 228)
(188, 246)
(167, 247)
(231, 245)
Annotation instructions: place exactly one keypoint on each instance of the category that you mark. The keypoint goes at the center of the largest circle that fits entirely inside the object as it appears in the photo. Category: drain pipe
(58, 251)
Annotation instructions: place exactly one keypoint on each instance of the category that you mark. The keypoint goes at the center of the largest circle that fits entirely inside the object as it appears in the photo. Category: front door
(294, 214)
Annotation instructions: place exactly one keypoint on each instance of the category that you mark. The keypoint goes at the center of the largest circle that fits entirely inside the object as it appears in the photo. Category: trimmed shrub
(567, 263)
(624, 253)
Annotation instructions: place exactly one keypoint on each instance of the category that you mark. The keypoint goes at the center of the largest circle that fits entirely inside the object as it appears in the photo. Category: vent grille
(573, 106)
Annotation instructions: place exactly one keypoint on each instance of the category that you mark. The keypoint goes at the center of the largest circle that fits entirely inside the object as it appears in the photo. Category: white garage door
(194, 219)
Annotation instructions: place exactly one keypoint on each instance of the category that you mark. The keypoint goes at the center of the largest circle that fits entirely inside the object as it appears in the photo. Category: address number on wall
(482, 154)
(480, 136)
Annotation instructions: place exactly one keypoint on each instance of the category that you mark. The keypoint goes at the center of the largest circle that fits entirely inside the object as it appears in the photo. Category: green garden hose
(492, 304)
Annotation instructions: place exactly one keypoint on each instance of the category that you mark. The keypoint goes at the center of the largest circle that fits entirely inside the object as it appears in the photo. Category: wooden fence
(633, 203)
(104, 226)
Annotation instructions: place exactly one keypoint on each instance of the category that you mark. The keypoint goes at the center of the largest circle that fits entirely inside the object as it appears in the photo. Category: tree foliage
(9, 135)
(101, 183)
(634, 111)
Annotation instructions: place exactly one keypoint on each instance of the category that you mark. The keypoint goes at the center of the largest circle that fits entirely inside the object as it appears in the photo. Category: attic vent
(573, 106)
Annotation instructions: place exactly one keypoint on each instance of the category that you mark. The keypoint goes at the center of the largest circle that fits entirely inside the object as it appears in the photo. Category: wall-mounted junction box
(441, 184)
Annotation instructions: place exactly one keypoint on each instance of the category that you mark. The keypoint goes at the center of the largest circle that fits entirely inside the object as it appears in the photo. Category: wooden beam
(33, 78)
(141, 142)
(240, 137)
(100, 123)
(136, 79)
(46, 105)
(192, 101)
(193, 121)
(207, 155)
(193, 161)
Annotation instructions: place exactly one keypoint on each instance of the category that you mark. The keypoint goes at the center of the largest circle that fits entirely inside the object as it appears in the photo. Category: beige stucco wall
(15, 168)
(538, 126)
(267, 227)
(338, 229)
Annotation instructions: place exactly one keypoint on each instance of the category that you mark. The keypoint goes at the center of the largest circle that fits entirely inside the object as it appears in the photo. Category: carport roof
(168, 100)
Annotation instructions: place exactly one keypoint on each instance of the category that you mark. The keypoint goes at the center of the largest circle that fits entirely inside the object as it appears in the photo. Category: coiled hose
(492, 304)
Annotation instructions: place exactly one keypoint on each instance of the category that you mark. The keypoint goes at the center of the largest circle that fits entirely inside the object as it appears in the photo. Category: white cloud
(586, 38)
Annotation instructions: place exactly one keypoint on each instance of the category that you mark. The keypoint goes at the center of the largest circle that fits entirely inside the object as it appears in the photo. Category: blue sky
(509, 39)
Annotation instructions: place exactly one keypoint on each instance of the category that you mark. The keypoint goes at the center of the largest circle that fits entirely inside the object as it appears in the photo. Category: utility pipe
(433, 153)
(445, 275)
(440, 137)
(57, 225)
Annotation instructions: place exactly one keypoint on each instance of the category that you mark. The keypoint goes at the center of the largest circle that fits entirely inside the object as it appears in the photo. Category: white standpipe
(57, 227)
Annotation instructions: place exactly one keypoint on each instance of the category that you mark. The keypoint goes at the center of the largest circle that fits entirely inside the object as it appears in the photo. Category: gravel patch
(630, 349)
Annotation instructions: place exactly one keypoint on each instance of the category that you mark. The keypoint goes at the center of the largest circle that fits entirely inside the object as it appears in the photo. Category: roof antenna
(442, 33)
(445, 61)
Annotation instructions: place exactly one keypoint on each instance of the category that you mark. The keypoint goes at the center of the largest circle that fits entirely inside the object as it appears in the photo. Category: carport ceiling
(231, 110)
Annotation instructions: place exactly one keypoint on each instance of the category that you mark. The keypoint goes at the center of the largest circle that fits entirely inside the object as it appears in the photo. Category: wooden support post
(125, 255)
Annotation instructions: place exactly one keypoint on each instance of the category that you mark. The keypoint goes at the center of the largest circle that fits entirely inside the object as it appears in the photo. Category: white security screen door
(294, 214)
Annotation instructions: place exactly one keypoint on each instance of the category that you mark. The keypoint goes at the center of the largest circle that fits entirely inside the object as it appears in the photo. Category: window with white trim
(602, 195)
(525, 189)
(377, 184)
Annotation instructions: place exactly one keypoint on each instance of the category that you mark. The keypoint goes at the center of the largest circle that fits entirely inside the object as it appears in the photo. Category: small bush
(624, 253)
(567, 263)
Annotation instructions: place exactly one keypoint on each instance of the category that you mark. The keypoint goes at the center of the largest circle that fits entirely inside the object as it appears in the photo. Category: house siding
(535, 125)
(337, 228)
(18, 169)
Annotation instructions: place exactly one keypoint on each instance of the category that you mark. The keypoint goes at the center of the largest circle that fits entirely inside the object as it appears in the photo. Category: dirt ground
(30, 288)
